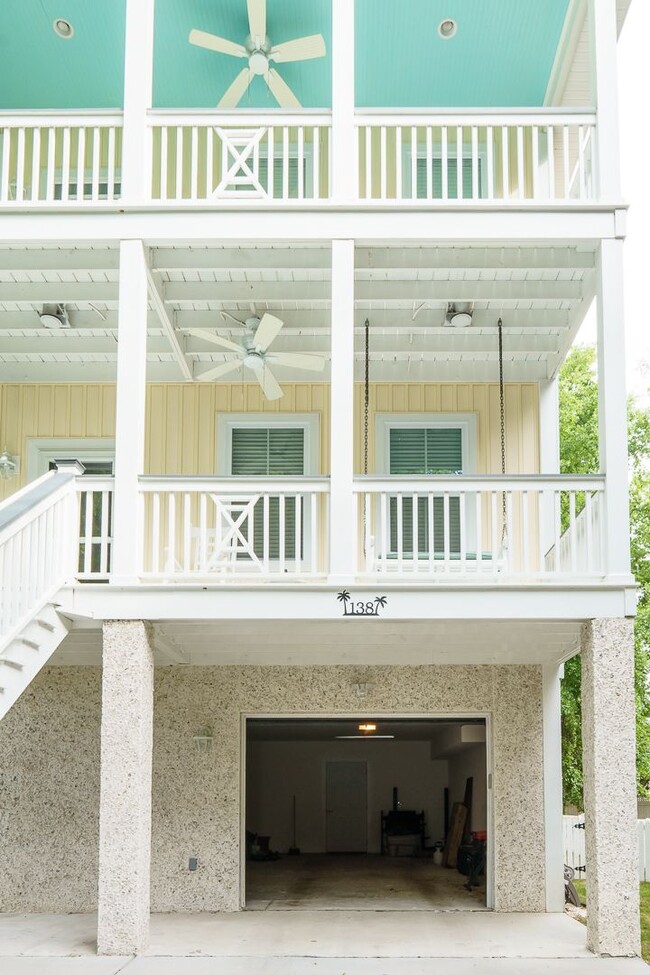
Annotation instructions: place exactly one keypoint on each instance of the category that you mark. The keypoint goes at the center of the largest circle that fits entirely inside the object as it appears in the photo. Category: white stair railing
(37, 548)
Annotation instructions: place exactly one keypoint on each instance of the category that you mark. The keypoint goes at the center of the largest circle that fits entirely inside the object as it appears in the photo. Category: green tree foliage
(579, 455)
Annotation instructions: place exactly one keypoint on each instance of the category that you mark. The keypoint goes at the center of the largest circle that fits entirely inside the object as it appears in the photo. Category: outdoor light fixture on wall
(8, 464)
(54, 316)
(361, 688)
(203, 740)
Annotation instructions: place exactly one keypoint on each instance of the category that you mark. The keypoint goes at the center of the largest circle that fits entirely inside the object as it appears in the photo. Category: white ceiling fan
(254, 353)
(260, 53)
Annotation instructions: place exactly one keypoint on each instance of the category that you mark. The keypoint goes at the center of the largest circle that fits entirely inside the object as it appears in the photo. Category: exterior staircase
(38, 528)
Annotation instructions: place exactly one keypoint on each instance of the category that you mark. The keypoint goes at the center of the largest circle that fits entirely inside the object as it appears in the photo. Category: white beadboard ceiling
(541, 293)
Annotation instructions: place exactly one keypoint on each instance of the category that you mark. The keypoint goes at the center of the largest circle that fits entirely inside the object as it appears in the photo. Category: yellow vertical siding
(181, 418)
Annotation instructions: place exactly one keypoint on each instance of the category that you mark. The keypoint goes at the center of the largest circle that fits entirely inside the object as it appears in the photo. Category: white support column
(549, 453)
(612, 408)
(130, 411)
(552, 732)
(345, 168)
(609, 752)
(138, 86)
(125, 790)
(605, 82)
(343, 510)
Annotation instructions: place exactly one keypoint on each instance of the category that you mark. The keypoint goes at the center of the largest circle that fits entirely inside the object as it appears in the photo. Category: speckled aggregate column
(125, 794)
(609, 749)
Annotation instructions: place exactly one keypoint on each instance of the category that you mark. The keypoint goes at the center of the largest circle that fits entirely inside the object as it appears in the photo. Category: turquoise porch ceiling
(38, 69)
(186, 76)
(501, 54)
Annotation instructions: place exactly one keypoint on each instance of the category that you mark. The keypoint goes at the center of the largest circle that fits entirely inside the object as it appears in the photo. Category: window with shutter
(423, 451)
(271, 452)
(275, 188)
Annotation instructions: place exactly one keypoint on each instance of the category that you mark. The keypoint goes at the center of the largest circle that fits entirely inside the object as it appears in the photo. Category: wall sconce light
(361, 689)
(8, 464)
(203, 740)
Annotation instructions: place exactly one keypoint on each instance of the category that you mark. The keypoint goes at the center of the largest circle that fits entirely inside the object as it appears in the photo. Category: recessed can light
(63, 28)
(447, 28)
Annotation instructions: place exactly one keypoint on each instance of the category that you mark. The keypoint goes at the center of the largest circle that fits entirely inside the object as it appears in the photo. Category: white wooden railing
(95, 533)
(504, 156)
(222, 528)
(481, 526)
(60, 158)
(209, 156)
(36, 548)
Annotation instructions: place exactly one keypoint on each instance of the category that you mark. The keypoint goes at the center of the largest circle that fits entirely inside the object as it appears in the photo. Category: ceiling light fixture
(363, 737)
(459, 315)
(54, 316)
(447, 28)
(63, 28)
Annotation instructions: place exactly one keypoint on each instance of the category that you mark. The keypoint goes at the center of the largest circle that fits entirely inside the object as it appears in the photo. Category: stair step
(46, 625)
(29, 643)
(11, 663)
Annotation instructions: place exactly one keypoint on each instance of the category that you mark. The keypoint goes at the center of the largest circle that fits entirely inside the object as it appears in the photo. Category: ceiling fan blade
(201, 333)
(232, 95)
(257, 20)
(219, 44)
(299, 360)
(266, 331)
(302, 49)
(270, 386)
(280, 89)
(221, 370)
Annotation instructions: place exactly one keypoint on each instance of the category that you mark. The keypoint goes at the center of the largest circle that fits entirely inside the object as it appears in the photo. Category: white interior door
(346, 807)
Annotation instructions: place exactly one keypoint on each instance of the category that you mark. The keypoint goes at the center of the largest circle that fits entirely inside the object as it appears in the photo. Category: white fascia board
(320, 603)
(367, 225)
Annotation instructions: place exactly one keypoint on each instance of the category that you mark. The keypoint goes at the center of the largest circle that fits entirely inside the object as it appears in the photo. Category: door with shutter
(271, 452)
(423, 451)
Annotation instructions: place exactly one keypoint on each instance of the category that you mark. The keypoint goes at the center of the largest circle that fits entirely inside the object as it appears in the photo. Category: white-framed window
(431, 186)
(266, 445)
(423, 445)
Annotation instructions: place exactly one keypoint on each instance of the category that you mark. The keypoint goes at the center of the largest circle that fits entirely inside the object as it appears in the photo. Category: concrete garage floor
(314, 943)
(334, 882)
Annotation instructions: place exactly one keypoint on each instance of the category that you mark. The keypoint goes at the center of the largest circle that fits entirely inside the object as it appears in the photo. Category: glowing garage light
(368, 727)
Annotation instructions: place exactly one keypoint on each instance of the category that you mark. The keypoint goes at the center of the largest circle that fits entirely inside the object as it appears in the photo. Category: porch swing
(436, 509)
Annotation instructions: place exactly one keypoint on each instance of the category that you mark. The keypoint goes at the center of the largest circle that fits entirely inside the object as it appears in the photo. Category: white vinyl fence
(574, 845)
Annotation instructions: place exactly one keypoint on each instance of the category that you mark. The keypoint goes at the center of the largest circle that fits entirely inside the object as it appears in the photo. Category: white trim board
(41, 450)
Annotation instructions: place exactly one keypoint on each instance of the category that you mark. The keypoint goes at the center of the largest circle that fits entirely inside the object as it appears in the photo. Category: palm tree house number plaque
(361, 607)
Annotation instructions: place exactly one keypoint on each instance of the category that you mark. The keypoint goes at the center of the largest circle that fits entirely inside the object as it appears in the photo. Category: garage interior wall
(278, 770)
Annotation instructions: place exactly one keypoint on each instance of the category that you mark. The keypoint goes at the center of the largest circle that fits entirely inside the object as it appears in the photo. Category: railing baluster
(475, 181)
(178, 192)
(270, 163)
(566, 173)
(367, 523)
(164, 162)
(382, 163)
(298, 534)
(478, 544)
(103, 544)
(285, 162)
(431, 539)
(186, 536)
(490, 162)
(96, 162)
(282, 530)
(51, 137)
(445, 532)
(550, 151)
(20, 163)
(459, 163)
(209, 163)
(171, 533)
(494, 528)
(588, 532)
(429, 137)
(301, 163)
(400, 534)
(110, 176)
(399, 178)
(462, 498)
(525, 532)
(572, 531)
(266, 532)
(368, 134)
(81, 162)
(155, 533)
(535, 161)
(414, 161)
(36, 165)
(384, 531)
(521, 177)
(444, 162)
(505, 162)
(6, 156)
(194, 164)
(415, 545)
(581, 163)
(557, 526)
(313, 525)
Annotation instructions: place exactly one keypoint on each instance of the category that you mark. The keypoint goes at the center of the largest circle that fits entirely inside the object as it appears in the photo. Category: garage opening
(366, 814)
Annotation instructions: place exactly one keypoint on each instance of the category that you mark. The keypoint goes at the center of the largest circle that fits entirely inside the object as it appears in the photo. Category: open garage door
(366, 814)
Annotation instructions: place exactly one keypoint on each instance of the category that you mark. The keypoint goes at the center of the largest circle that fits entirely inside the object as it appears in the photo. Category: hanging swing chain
(366, 396)
(502, 412)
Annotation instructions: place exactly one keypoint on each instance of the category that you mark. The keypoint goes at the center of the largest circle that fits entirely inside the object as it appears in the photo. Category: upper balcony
(214, 123)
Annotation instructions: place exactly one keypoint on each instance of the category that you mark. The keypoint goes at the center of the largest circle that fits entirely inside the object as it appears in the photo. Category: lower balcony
(440, 529)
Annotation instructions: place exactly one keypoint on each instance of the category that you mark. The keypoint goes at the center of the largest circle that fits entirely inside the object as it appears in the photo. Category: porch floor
(320, 943)
(332, 882)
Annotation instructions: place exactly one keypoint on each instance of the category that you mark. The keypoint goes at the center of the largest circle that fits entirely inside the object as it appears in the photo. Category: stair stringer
(28, 652)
